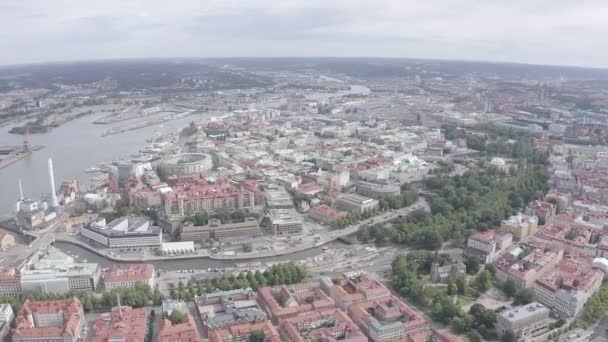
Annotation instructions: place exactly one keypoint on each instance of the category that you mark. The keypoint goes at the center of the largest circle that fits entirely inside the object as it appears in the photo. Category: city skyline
(538, 32)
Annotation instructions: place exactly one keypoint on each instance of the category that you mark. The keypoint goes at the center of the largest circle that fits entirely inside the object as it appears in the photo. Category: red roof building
(121, 324)
(241, 332)
(51, 320)
(127, 275)
(182, 332)
(289, 304)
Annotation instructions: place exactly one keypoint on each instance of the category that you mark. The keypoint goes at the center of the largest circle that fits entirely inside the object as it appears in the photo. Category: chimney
(20, 190)
(54, 202)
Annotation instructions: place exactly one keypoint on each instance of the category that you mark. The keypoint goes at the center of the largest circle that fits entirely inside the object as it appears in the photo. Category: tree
(508, 337)
(474, 336)
(492, 269)
(451, 288)
(472, 265)
(257, 336)
(509, 288)
(524, 296)
(429, 239)
(177, 316)
(461, 285)
(483, 281)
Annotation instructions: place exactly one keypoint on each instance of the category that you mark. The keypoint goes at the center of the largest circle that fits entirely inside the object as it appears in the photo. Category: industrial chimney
(54, 202)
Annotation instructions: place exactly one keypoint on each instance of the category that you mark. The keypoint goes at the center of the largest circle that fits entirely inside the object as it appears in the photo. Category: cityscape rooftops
(124, 226)
(69, 324)
(129, 273)
(121, 323)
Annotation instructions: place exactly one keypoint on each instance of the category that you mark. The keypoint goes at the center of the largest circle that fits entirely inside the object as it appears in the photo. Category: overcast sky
(569, 32)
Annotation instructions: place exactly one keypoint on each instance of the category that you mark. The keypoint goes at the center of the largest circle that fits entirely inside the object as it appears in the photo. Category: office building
(284, 222)
(355, 202)
(576, 335)
(51, 320)
(216, 230)
(123, 233)
(57, 272)
(377, 191)
(525, 322)
(277, 198)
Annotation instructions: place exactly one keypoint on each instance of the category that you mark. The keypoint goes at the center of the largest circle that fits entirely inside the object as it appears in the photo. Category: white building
(525, 322)
(124, 233)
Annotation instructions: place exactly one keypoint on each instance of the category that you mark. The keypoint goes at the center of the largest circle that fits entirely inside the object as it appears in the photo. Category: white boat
(92, 170)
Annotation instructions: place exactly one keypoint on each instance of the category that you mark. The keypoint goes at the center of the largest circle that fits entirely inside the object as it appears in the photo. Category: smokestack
(20, 190)
(54, 202)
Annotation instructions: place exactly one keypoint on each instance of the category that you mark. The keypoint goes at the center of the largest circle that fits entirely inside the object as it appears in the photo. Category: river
(201, 263)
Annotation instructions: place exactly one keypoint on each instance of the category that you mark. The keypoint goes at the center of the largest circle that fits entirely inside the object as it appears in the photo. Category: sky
(562, 32)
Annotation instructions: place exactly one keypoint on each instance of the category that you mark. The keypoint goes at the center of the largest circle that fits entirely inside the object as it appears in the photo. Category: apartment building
(124, 276)
(51, 320)
(486, 246)
(525, 322)
(216, 230)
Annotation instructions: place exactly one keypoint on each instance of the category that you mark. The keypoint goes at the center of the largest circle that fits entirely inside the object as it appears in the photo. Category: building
(225, 308)
(567, 287)
(185, 164)
(486, 246)
(6, 318)
(124, 233)
(525, 270)
(277, 198)
(576, 335)
(377, 191)
(10, 281)
(284, 302)
(124, 276)
(443, 274)
(284, 222)
(191, 196)
(53, 271)
(216, 230)
(241, 332)
(325, 214)
(355, 202)
(7, 241)
(181, 332)
(545, 211)
(353, 288)
(122, 323)
(520, 226)
(387, 319)
(330, 325)
(525, 322)
(51, 320)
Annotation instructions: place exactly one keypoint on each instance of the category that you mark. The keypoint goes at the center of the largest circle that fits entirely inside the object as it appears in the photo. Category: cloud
(534, 31)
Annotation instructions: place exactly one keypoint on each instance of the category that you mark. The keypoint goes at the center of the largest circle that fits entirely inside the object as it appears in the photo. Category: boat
(92, 170)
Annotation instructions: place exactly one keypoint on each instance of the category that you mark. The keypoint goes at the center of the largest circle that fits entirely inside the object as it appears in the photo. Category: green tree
(177, 316)
(257, 336)
(483, 281)
(523, 296)
(509, 288)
